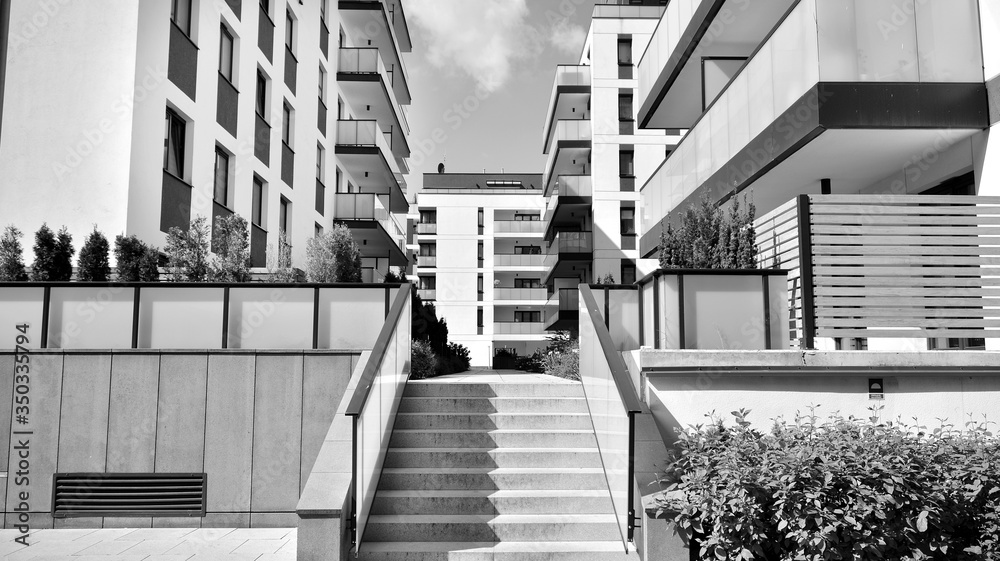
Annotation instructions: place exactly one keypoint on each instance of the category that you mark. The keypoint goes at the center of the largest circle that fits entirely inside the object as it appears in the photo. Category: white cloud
(568, 38)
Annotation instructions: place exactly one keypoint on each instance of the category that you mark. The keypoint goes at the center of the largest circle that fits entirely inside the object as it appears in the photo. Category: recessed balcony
(373, 227)
(567, 252)
(369, 87)
(364, 150)
(518, 262)
(568, 151)
(570, 98)
(510, 295)
(427, 228)
(519, 228)
(519, 328)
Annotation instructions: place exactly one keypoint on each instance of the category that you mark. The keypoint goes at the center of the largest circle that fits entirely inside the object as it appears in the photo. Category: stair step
(493, 405)
(489, 551)
(519, 438)
(493, 457)
(429, 388)
(477, 501)
(489, 421)
(500, 527)
(493, 478)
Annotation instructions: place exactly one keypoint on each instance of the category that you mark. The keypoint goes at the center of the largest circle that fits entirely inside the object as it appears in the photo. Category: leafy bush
(279, 263)
(231, 243)
(707, 238)
(187, 252)
(334, 257)
(608, 279)
(535, 362)
(53, 255)
(422, 360)
(840, 489)
(11, 256)
(562, 356)
(94, 266)
(454, 360)
(136, 261)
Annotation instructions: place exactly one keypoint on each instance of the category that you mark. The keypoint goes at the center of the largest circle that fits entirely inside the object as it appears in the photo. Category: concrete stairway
(493, 470)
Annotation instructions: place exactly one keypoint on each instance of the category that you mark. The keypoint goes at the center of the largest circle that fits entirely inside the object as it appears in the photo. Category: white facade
(87, 90)
(484, 301)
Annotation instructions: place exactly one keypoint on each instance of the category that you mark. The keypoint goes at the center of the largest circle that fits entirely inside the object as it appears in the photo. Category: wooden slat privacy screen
(892, 266)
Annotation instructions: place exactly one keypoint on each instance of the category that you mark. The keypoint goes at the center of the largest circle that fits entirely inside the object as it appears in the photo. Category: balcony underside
(855, 134)
(368, 166)
(569, 265)
(570, 213)
(368, 21)
(369, 91)
(564, 320)
(569, 157)
(376, 242)
(570, 103)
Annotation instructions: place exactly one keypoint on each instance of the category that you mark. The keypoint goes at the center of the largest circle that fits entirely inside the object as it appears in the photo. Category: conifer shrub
(94, 265)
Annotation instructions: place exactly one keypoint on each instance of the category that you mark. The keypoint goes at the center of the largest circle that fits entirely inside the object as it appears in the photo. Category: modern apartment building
(140, 116)
(597, 158)
(845, 120)
(481, 259)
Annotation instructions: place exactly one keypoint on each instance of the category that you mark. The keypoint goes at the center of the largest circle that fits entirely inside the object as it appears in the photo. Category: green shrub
(231, 243)
(279, 263)
(562, 356)
(707, 238)
(11, 256)
(535, 362)
(454, 360)
(136, 261)
(840, 489)
(94, 266)
(187, 252)
(422, 360)
(53, 255)
(334, 257)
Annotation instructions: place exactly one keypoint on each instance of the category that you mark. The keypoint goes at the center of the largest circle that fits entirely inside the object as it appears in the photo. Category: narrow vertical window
(173, 145)
(628, 221)
(624, 52)
(482, 217)
(180, 14)
(261, 94)
(625, 108)
(284, 215)
(257, 212)
(322, 85)
(626, 163)
(226, 54)
(221, 177)
(320, 157)
(289, 31)
(286, 124)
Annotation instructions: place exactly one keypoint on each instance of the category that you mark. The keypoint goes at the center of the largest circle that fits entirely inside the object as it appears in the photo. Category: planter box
(711, 309)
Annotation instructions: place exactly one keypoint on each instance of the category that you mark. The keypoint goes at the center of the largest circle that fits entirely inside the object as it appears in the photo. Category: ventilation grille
(128, 494)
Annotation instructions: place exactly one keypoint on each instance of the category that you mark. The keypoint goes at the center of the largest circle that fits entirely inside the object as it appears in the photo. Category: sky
(481, 74)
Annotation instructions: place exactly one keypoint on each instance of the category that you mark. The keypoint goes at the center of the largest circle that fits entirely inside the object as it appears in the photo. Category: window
(322, 10)
(320, 161)
(180, 14)
(479, 251)
(527, 316)
(625, 107)
(428, 283)
(266, 6)
(479, 317)
(527, 250)
(527, 217)
(626, 163)
(261, 95)
(286, 124)
(527, 283)
(222, 177)
(628, 221)
(322, 85)
(628, 272)
(284, 215)
(482, 217)
(479, 287)
(624, 51)
(340, 108)
(289, 31)
(339, 180)
(318, 230)
(343, 39)
(226, 54)
(428, 250)
(428, 217)
(257, 212)
(173, 144)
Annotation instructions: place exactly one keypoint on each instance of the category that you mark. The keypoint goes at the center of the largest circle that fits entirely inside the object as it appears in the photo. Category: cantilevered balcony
(373, 228)
(518, 328)
(518, 262)
(376, 91)
(568, 251)
(512, 296)
(570, 98)
(364, 150)
(568, 151)
(518, 228)
(570, 201)
(562, 311)
(828, 100)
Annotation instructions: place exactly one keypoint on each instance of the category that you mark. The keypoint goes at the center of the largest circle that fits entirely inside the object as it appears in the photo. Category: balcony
(518, 227)
(427, 295)
(568, 251)
(569, 151)
(367, 83)
(518, 328)
(427, 261)
(518, 262)
(364, 150)
(808, 107)
(887, 266)
(569, 202)
(374, 229)
(563, 310)
(519, 294)
(427, 228)
(570, 97)
(382, 25)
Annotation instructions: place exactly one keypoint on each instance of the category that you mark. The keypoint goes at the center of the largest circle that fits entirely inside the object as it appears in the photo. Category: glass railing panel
(664, 43)
(19, 306)
(519, 293)
(270, 318)
(336, 304)
(575, 186)
(91, 317)
(574, 242)
(180, 318)
(360, 60)
(623, 315)
(501, 260)
(518, 227)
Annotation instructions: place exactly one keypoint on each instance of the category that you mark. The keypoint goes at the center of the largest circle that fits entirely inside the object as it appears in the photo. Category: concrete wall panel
(229, 431)
(180, 416)
(324, 379)
(277, 433)
(43, 442)
(132, 421)
(83, 436)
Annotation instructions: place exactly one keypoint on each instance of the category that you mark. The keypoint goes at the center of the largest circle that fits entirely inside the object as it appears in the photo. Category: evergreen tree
(43, 268)
(62, 257)
(94, 266)
(11, 256)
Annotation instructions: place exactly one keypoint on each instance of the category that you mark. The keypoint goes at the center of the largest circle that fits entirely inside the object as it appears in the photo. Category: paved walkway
(204, 544)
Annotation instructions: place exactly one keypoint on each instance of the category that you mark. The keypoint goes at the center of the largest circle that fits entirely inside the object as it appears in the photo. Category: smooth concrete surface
(234, 415)
(152, 544)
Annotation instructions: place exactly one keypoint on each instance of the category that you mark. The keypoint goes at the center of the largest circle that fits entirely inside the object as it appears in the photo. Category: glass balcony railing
(568, 243)
(518, 227)
(623, 9)
(665, 42)
(427, 295)
(427, 228)
(504, 260)
(364, 206)
(566, 75)
(368, 134)
(368, 61)
(568, 130)
(518, 328)
(574, 186)
(427, 260)
(519, 293)
(819, 41)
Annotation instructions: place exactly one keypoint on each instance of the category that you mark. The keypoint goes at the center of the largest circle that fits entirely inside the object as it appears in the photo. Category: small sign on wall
(876, 388)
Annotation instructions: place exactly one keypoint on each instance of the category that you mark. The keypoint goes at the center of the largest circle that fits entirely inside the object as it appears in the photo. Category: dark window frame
(176, 14)
(257, 202)
(224, 34)
(221, 172)
(175, 139)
